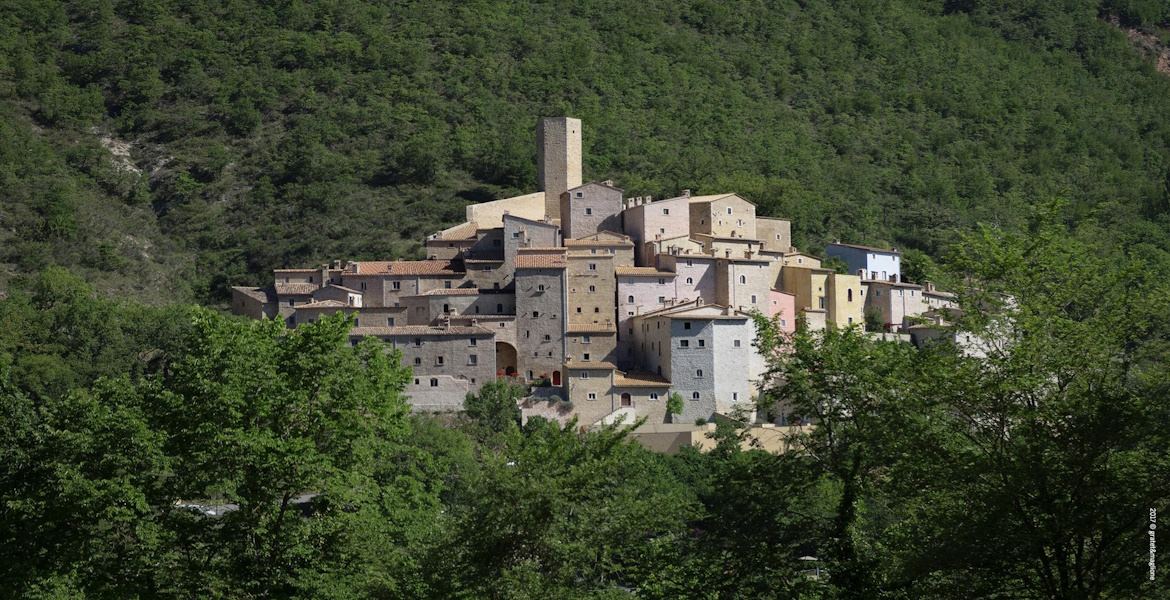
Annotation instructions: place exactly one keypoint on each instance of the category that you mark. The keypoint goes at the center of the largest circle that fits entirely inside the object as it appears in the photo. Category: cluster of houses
(605, 305)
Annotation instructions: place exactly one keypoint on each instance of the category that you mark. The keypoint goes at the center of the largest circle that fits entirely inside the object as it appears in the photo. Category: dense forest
(170, 149)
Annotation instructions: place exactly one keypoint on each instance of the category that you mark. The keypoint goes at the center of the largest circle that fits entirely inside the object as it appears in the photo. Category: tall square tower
(558, 160)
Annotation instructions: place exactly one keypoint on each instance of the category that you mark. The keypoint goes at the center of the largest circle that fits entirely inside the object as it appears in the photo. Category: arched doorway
(556, 378)
(627, 400)
(506, 358)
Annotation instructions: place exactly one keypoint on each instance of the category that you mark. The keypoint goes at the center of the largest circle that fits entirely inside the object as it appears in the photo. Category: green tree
(496, 405)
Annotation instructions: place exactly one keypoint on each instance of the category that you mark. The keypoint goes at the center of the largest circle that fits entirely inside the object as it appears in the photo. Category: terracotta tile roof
(295, 270)
(540, 258)
(419, 330)
(323, 304)
(867, 248)
(639, 379)
(642, 272)
(296, 289)
(714, 197)
(583, 365)
(404, 267)
(591, 328)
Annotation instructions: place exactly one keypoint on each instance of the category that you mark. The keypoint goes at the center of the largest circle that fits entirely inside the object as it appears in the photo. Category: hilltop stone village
(604, 304)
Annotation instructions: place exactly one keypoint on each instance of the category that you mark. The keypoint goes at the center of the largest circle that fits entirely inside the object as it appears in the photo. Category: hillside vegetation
(170, 149)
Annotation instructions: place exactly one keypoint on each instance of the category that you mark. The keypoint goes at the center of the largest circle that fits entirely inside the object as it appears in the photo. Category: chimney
(686, 193)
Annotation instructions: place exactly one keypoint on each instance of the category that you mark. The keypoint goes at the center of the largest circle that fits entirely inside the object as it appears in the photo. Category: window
(363, 286)
(735, 343)
(472, 341)
(661, 230)
(662, 299)
(702, 343)
(578, 194)
(434, 382)
(686, 324)
(849, 295)
(735, 395)
(783, 323)
(873, 274)
(357, 322)
(389, 321)
(585, 356)
(584, 374)
(446, 308)
(396, 285)
(586, 339)
(592, 288)
(592, 266)
(540, 288)
(596, 309)
(535, 314)
(653, 395)
(729, 210)
(418, 361)
(661, 281)
(694, 395)
(690, 263)
(292, 302)
(578, 310)
(743, 279)
(698, 373)
(417, 342)
(486, 268)
(527, 333)
(629, 299)
(593, 250)
(777, 236)
(666, 211)
(588, 211)
(447, 284)
(821, 300)
(472, 359)
(547, 337)
(684, 343)
(690, 280)
(850, 320)
(515, 235)
(500, 309)
(592, 396)
(439, 361)
(753, 298)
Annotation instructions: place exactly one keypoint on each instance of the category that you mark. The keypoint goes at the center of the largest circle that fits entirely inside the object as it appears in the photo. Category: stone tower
(558, 160)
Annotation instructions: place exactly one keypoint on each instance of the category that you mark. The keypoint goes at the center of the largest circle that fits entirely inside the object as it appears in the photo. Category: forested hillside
(173, 148)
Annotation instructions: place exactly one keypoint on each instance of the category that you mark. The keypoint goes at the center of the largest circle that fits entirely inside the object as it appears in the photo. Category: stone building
(541, 307)
(558, 160)
(640, 290)
(723, 216)
(892, 302)
(590, 208)
(448, 361)
(743, 283)
(689, 344)
(647, 221)
(774, 234)
(846, 300)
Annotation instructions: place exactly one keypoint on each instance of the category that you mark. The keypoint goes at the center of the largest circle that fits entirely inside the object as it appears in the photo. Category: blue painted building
(868, 262)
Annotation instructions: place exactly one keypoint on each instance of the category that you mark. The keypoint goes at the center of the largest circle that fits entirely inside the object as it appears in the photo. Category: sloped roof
(296, 289)
(866, 248)
(601, 238)
(261, 294)
(714, 197)
(541, 258)
(451, 292)
(462, 231)
(324, 304)
(591, 328)
(639, 379)
(642, 272)
(404, 267)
